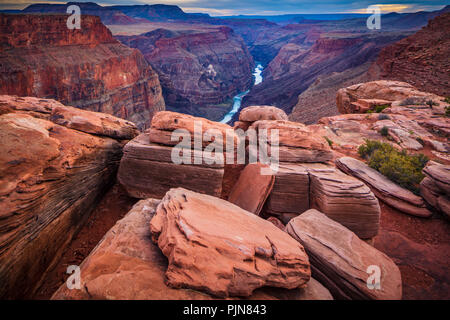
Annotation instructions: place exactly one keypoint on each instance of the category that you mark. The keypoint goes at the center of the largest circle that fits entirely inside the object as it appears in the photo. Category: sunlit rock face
(85, 68)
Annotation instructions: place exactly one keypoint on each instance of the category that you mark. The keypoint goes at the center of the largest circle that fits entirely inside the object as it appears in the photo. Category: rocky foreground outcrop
(85, 68)
(149, 167)
(126, 264)
(435, 188)
(56, 162)
(235, 251)
(343, 262)
(197, 68)
(413, 120)
(385, 190)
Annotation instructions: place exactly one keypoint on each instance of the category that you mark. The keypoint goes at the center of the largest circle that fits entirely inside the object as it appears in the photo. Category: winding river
(238, 98)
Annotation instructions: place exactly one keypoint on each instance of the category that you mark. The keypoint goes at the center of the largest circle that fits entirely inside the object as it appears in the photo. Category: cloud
(267, 7)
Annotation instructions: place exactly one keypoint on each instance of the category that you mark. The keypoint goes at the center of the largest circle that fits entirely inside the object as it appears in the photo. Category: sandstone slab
(252, 188)
(255, 113)
(297, 142)
(386, 190)
(235, 251)
(290, 193)
(346, 200)
(147, 170)
(435, 188)
(341, 261)
(51, 177)
(127, 265)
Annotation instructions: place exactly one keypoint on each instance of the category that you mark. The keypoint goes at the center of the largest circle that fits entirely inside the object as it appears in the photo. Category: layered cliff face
(56, 162)
(85, 68)
(197, 68)
(295, 68)
(421, 59)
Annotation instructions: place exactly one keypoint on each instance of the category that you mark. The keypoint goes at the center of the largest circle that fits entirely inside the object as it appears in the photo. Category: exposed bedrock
(56, 163)
(85, 68)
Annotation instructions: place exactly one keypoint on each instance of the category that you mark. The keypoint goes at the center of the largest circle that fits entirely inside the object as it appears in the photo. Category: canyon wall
(85, 68)
(56, 163)
(421, 59)
(296, 67)
(196, 68)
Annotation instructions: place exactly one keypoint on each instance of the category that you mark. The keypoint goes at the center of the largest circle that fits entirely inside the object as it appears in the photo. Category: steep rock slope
(56, 162)
(300, 67)
(85, 68)
(196, 68)
(421, 59)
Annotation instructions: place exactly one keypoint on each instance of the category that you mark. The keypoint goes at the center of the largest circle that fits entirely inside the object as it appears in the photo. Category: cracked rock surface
(217, 247)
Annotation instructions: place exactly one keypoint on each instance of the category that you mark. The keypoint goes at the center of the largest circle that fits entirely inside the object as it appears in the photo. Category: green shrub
(330, 143)
(383, 116)
(384, 131)
(447, 100)
(398, 166)
(378, 108)
(447, 112)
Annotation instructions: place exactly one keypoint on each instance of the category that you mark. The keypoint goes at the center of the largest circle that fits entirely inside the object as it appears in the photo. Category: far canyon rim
(90, 120)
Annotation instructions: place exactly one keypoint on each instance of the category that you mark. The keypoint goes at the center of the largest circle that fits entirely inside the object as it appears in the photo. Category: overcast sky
(262, 7)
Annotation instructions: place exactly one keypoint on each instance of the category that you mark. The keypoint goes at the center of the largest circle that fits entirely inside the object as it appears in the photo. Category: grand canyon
(91, 120)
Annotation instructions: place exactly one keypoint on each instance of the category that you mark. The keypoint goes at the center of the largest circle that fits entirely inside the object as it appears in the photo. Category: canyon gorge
(87, 176)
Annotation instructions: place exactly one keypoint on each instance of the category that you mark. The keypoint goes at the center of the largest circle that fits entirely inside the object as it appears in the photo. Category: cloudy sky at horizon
(262, 7)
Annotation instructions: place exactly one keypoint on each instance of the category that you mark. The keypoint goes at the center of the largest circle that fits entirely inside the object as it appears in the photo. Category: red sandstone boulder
(51, 177)
(435, 188)
(386, 190)
(236, 251)
(342, 262)
(252, 188)
(297, 142)
(147, 170)
(255, 113)
(290, 193)
(346, 200)
(127, 265)
(165, 122)
(348, 100)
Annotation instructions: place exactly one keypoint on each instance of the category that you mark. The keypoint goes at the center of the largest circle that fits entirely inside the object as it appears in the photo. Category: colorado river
(238, 98)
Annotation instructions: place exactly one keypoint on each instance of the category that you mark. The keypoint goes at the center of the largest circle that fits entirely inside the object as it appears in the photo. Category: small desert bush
(378, 108)
(383, 116)
(330, 142)
(384, 131)
(399, 166)
(447, 112)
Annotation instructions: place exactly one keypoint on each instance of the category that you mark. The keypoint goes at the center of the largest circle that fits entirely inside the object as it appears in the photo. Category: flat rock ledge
(344, 263)
(386, 190)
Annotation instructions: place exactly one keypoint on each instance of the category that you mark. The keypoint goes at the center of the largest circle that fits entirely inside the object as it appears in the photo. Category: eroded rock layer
(85, 68)
(127, 265)
(55, 164)
(235, 251)
(342, 261)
